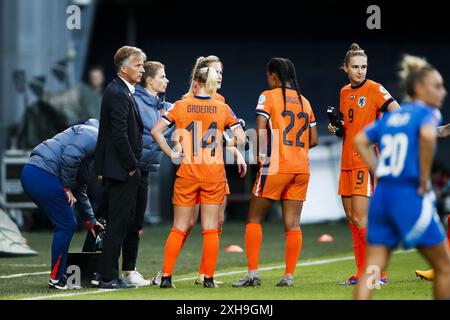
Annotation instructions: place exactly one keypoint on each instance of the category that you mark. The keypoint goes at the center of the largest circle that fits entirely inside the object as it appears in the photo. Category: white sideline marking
(18, 275)
(301, 264)
(71, 294)
(22, 265)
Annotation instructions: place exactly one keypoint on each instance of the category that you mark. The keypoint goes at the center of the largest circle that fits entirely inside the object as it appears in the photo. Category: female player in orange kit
(361, 101)
(199, 122)
(286, 129)
(214, 62)
(210, 62)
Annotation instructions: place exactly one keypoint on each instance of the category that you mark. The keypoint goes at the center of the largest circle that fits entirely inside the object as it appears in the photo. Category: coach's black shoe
(166, 282)
(115, 284)
(209, 283)
(57, 284)
(96, 278)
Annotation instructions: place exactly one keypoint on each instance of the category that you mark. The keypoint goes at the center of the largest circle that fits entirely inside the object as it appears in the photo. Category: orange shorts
(281, 186)
(188, 193)
(227, 192)
(357, 182)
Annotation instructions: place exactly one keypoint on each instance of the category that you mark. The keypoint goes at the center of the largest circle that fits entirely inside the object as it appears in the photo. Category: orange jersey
(288, 131)
(199, 123)
(217, 97)
(360, 106)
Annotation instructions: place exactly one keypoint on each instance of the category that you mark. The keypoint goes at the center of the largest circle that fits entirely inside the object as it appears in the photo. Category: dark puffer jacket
(70, 157)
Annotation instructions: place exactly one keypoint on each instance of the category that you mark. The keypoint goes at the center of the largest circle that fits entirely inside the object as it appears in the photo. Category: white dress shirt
(129, 85)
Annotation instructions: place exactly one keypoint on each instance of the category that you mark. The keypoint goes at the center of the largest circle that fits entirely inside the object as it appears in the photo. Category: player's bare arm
(313, 137)
(364, 147)
(426, 151)
(261, 127)
(393, 106)
(158, 135)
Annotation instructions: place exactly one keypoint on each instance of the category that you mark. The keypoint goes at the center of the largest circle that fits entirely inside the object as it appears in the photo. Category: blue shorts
(398, 214)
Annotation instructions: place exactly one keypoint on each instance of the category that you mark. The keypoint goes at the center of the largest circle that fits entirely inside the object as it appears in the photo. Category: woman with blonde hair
(423, 84)
(199, 123)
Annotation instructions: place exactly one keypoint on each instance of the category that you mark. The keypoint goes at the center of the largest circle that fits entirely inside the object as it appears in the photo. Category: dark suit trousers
(131, 243)
(121, 205)
(99, 205)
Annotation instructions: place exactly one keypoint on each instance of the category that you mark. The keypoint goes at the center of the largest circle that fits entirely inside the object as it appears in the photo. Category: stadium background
(314, 35)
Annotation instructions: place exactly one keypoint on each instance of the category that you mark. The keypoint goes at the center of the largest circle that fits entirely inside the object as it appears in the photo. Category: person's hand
(141, 232)
(99, 226)
(70, 198)
(92, 228)
(131, 173)
(99, 177)
(242, 168)
(261, 159)
(331, 129)
(177, 157)
(424, 186)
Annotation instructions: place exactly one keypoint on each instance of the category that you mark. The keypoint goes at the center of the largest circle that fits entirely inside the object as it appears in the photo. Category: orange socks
(359, 248)
(293, 248)
(357, 244)
(210, 251)
(201, 270)
(253, 239)
(363, 240)
(187, 233)
(174, 243)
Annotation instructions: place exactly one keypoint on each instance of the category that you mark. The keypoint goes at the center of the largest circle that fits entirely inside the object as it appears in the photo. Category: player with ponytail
(424, 85)
(286, 129)
(361, 102)
(199, 124)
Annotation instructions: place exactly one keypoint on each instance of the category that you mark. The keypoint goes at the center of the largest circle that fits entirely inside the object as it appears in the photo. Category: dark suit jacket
(119, 144)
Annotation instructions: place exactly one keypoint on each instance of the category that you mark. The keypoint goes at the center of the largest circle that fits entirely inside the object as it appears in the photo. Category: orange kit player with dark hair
(286, 129)
(199, 123)
(361, 102)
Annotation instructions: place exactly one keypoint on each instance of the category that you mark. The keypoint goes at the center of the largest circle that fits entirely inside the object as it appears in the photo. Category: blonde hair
(208, 77)
(353, 51)
(413, 69)
(123, 55)
(201, 62)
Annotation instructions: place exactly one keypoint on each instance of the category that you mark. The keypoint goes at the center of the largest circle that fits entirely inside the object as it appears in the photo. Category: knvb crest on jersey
(362, 101)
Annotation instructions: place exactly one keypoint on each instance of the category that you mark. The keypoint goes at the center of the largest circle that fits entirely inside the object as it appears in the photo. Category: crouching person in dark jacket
(56, 178)
(151, 104)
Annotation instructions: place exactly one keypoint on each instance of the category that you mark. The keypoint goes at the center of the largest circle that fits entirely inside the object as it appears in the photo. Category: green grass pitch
(321, 267)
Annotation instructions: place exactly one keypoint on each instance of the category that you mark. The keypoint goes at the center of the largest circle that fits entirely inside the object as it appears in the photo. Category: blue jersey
(398, 135)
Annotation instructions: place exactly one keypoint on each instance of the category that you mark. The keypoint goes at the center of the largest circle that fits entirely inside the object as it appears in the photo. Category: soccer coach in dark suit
(119, 148)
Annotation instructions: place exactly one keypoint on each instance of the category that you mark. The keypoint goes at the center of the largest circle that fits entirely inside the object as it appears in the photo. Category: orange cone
(233, 248)
(325, 238)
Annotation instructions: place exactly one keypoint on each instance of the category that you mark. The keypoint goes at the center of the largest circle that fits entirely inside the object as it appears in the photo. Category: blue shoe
(383, 281)
(351, 281)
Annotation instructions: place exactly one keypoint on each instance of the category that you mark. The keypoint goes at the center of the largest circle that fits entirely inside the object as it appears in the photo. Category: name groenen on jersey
(201, 109)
